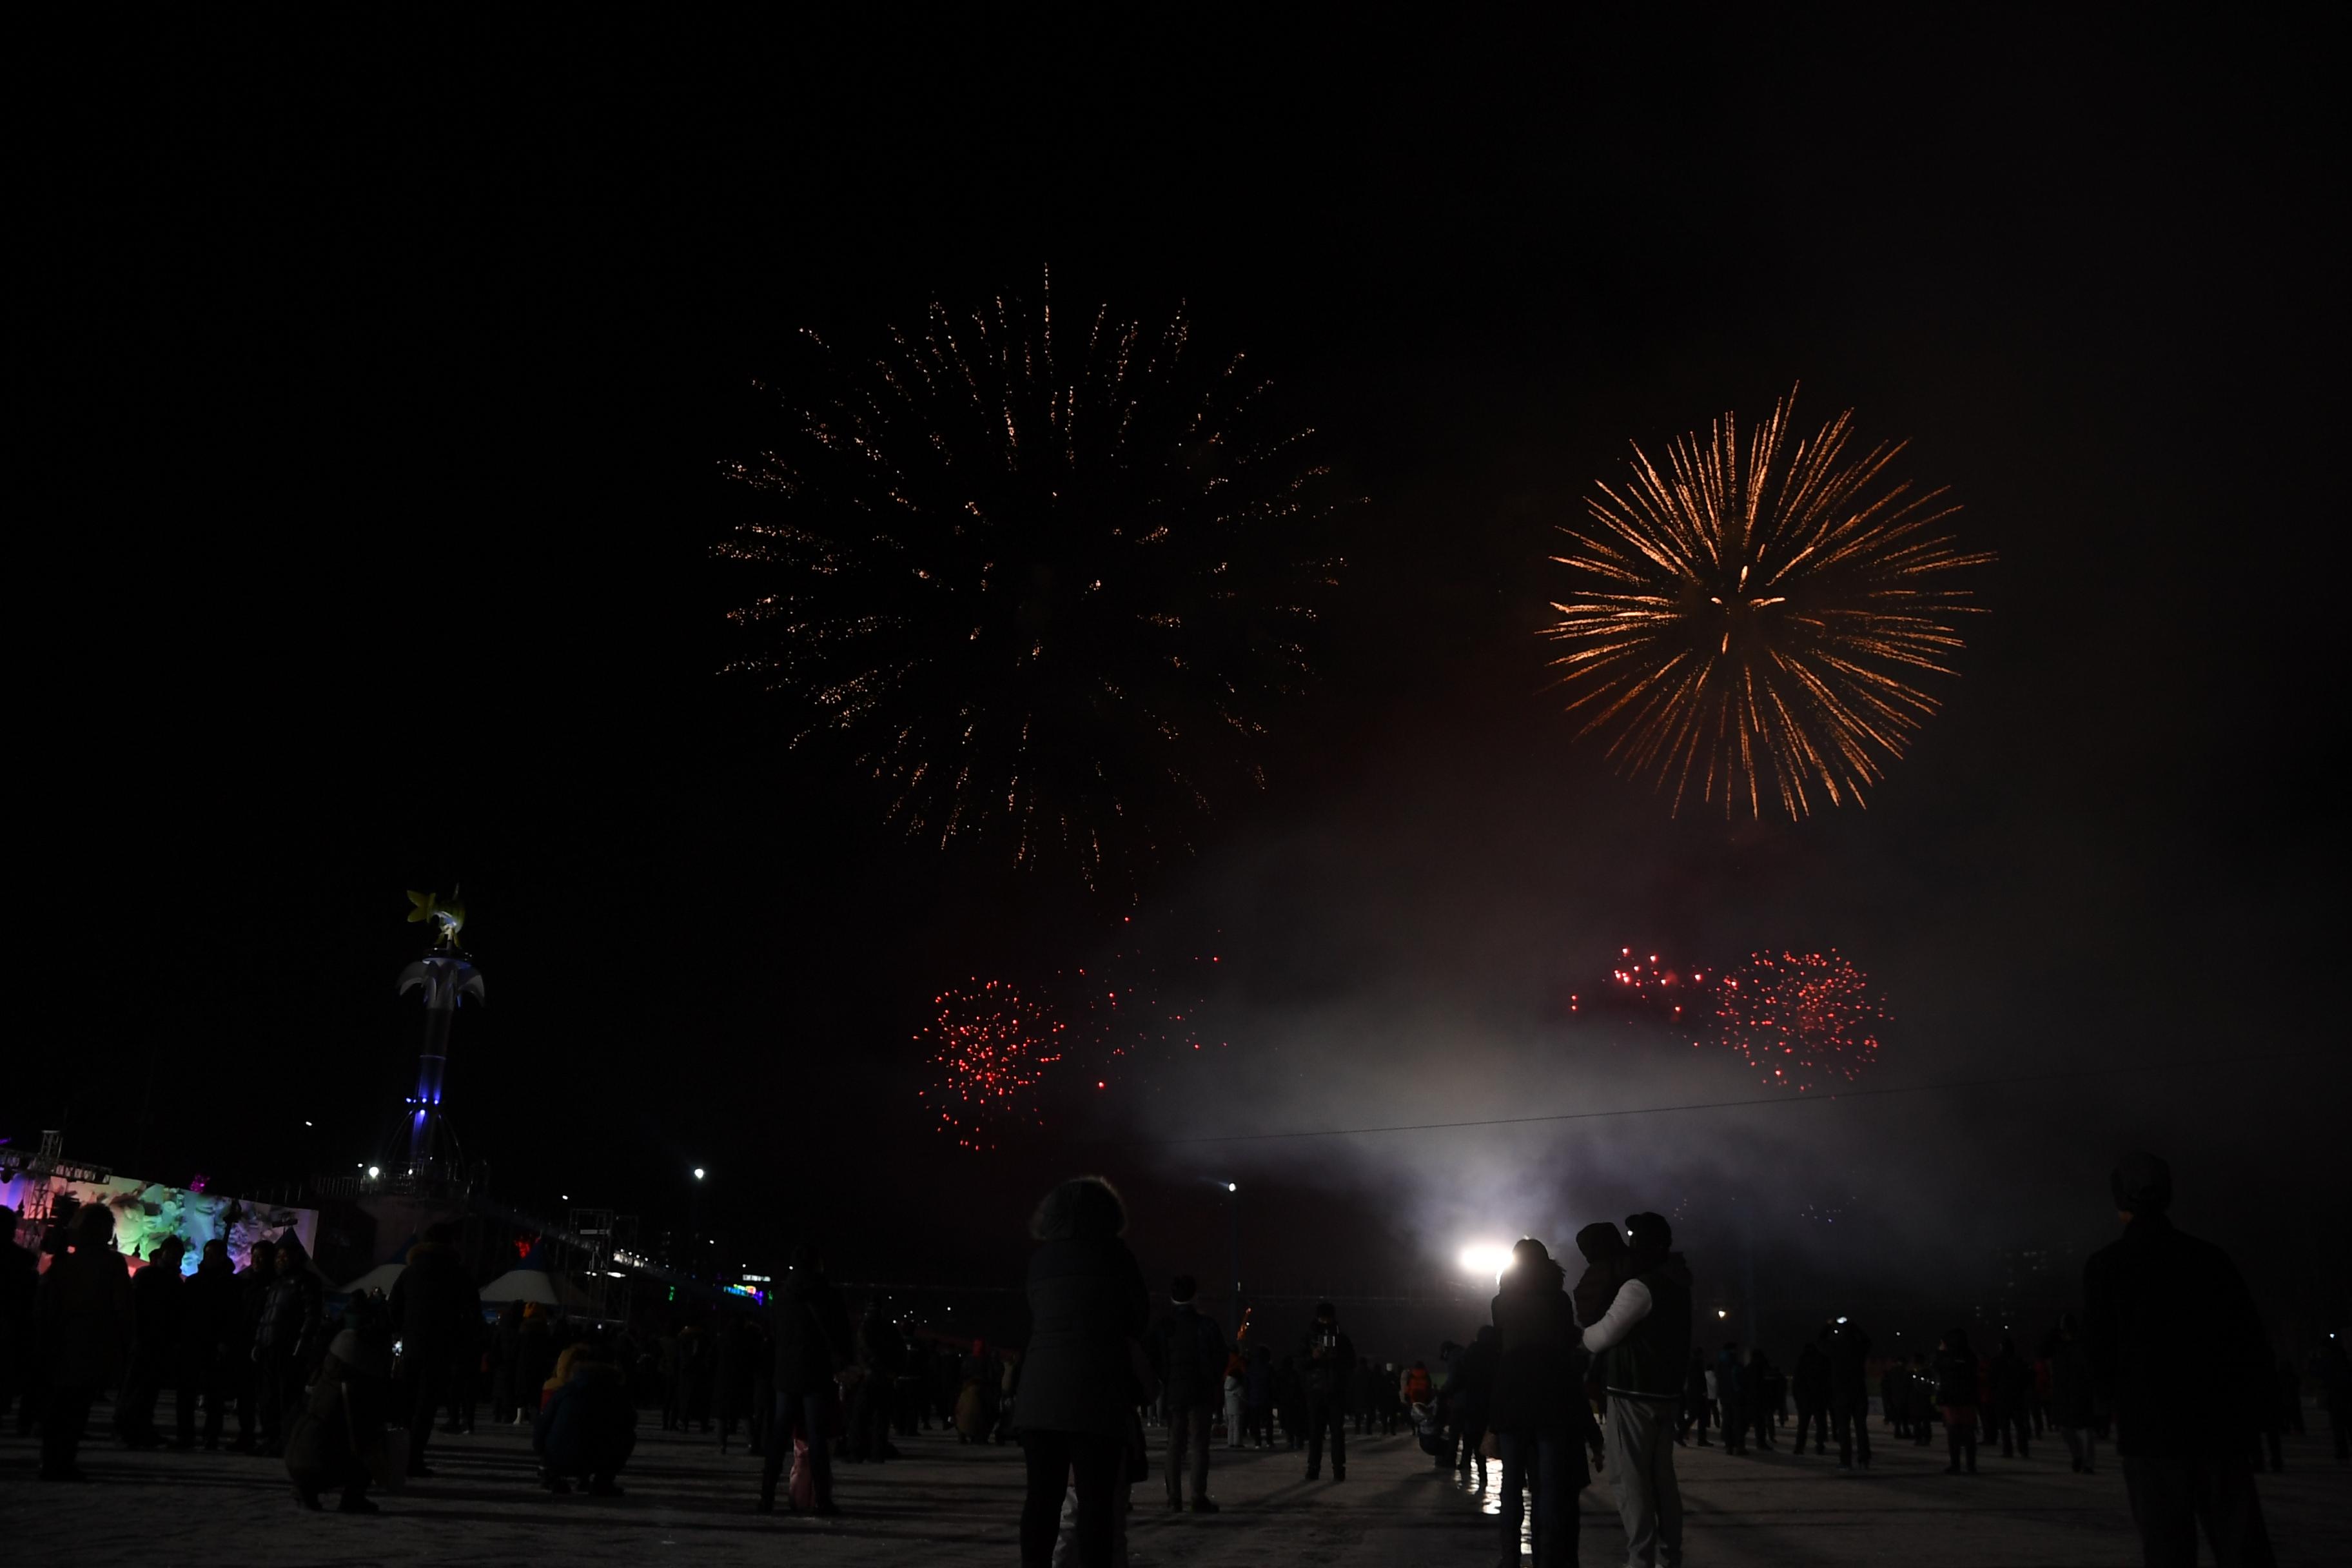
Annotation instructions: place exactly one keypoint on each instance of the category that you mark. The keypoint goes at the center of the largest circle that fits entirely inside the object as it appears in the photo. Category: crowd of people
(1558, 1383)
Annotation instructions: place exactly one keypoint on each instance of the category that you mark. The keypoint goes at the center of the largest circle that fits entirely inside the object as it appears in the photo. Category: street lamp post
(1233, 1232)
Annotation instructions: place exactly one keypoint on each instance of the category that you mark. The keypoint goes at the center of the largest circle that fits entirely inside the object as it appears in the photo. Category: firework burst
(991, 1049)
(1133, 1015)
(1800, 1018)
(1752, 624)
(1044, 581)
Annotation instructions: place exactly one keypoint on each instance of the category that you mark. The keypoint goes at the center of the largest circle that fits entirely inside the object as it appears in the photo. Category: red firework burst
(1645, 987)
(1800, 1018)
(992, 1049)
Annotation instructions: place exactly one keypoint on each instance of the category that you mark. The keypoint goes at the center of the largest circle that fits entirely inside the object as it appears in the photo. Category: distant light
(1841, 1319)
(1233, 1186)
(1721, 1314)
(374, 1172)
(1485, 1257)
(698, 1172)
(309, 1124)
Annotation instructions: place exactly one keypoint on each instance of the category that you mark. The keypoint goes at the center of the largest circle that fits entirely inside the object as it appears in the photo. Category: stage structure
(445, 975)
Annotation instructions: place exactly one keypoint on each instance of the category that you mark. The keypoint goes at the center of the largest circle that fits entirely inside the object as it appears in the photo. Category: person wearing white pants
(1646, 1337)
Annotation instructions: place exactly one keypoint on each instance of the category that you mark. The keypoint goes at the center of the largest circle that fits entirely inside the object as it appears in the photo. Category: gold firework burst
(1756, 628)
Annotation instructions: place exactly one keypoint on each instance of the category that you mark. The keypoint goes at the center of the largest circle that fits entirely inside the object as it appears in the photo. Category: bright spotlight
(1487, 1258)
(1233, 1186)
(374, 1172)
(698, 1172)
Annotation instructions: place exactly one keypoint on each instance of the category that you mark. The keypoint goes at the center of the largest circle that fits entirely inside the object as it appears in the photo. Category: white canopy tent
(382, 1276)
(521, 1284)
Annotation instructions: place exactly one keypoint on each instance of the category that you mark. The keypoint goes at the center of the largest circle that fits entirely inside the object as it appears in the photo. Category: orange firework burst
(1755, 629)
(991, 1048)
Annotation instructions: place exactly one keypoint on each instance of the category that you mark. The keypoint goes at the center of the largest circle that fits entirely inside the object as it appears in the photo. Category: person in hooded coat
(1257, 1396)
(20, 1276)
(2180, 1356)
(2011, 1380)
(1535, 1405)
(1811, 1387)
(813, 1344)
(1325, 1357)
(1473, 1387)
(207, 1338)
(158, 1302)
(2071, 1400)
(436, 1310)
(341, 1418)
(1188, 1356)
(1731, 1397)
(1079, 1385)
(738, 1348)
(588, 1428)
(289, 1341)
(85, 1318)
(1697, 1401)
(1955, 1394)
(253, 1282)
(1849, 1350)
(535, 1354)
(1646, 1334)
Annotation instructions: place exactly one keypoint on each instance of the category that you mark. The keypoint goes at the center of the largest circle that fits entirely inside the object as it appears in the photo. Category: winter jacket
(208, 1326)
(2010, 1378)
(1260, 1381)
(1324, 1357)
(1472, 1394)
(1087, 1306)
(328, 1444)
(2177, 1350)
(1849, 1352)
(811, 1335)
(83, 1308)
(1188, 1353)
(1731, 1383)
(435, 1306)
(1698, 1389)
(2071, 1403)
(588, 1427)
(1608, 1264)
(1956, 1378)
(1538, 1371)
(158, 1304)
(1811, 1384)
(1647, 1330)
(293, 1317)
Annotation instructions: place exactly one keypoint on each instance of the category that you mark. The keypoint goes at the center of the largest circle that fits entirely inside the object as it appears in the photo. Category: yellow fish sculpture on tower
(450, 917)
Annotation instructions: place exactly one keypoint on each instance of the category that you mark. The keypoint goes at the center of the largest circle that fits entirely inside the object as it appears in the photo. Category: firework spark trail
(991, 1048)
(1800, 1018)
(1756, 629)
(1047, 588)
(1133, 1014)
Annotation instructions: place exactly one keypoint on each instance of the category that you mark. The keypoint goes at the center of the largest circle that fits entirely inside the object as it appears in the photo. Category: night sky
(392, 374)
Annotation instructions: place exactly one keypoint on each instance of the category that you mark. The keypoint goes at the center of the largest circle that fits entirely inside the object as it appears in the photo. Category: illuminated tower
(445, 974)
